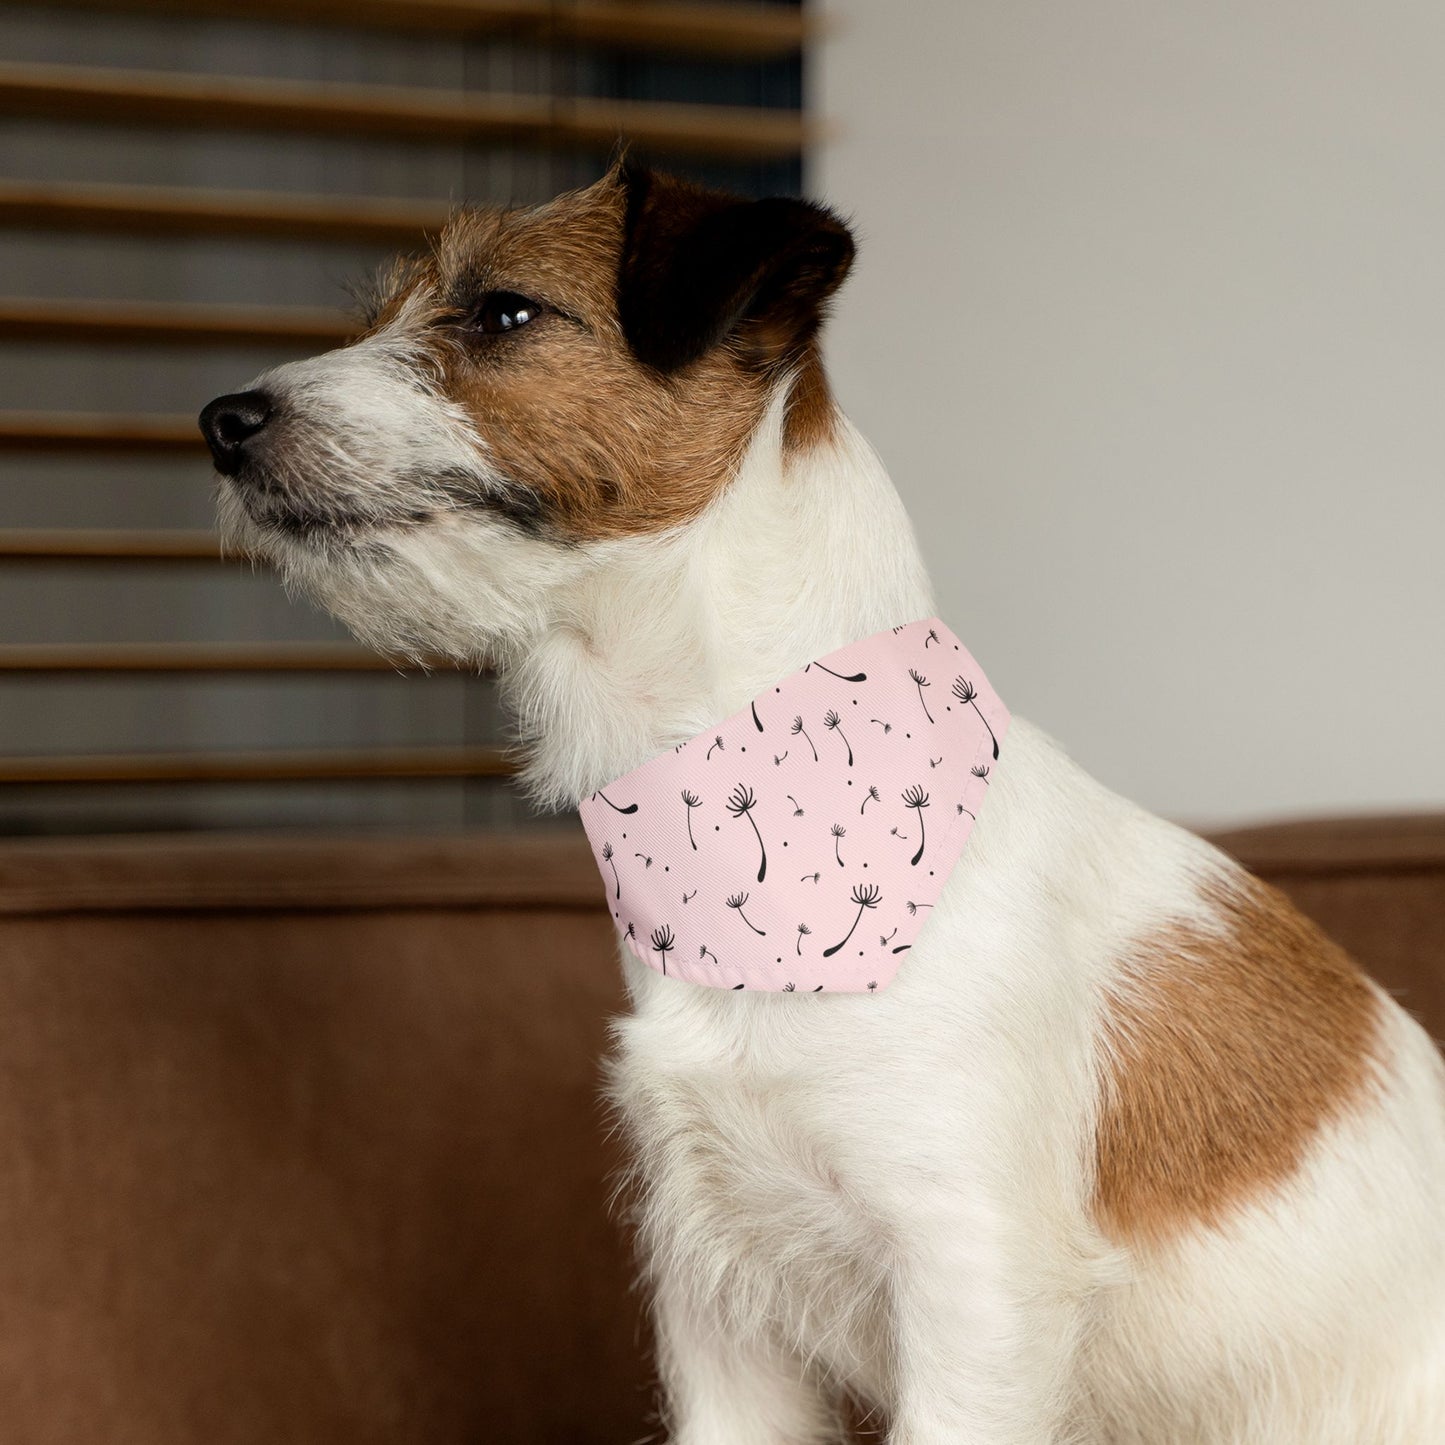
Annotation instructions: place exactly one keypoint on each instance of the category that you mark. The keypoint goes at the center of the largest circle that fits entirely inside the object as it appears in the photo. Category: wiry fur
(894, 1196)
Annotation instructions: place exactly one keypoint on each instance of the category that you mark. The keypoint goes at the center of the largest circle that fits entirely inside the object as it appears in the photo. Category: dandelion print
(607, 858)
(803, 932)
(646, 861)
(917, 799)
(969, 811)
(717, 743)
(871, 798)
(856, 677)
(797, 807)
(632, 930)
(920, 682)
(831, 721)
(706, 952)
(872, 985)
(865, 896)
(813, 876)
(980, 772)
(686, 896)
(914, 907)
(934, 762)
(741, 803)
(887, 727)
(965, 692)
(663, 942)
(790, 988)
(756, 718)
(799, 728)
(839, 833)
(931, 638)
(692, 801)
(631, 808)
(736, 900)
(884, 939)
(777, 760)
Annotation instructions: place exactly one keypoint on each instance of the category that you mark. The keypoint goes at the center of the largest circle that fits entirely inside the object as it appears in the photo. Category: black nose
(229, 422)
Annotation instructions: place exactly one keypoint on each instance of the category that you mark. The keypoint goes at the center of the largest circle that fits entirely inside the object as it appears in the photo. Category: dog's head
(543, 384)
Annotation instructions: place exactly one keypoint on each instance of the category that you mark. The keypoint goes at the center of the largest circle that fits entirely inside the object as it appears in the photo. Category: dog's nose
(229, 422)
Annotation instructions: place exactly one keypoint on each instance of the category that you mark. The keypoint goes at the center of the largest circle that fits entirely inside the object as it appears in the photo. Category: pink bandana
(801, 844)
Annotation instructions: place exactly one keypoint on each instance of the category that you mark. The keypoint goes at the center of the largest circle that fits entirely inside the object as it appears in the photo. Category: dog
(1128, 1152)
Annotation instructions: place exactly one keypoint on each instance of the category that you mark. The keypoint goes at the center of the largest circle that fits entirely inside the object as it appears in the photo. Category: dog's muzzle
(231, 423)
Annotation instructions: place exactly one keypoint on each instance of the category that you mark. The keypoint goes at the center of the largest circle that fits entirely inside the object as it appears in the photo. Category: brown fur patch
(812, 415)
(604, 445)
(1227, 1053)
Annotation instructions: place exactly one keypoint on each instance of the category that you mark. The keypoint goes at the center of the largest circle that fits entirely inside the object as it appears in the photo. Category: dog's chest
(750, 1180)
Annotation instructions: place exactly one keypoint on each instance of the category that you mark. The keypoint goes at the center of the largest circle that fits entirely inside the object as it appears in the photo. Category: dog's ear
(700, 266)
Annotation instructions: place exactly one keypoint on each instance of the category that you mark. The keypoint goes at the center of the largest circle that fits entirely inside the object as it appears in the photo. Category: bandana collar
(800, 845)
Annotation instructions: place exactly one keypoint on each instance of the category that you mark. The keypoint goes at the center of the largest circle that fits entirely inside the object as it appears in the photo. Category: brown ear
(699, 266)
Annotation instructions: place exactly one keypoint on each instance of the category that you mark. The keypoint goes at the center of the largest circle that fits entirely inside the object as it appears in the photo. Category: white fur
(889, 1194)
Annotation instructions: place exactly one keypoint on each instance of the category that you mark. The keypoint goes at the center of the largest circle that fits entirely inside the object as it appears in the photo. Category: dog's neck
(666, 635)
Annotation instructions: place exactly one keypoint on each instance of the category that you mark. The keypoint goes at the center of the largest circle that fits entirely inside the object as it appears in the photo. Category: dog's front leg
(985, 1340)
(725, 1387)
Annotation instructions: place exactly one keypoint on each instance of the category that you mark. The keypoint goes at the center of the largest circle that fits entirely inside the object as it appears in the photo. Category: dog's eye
(504, 311)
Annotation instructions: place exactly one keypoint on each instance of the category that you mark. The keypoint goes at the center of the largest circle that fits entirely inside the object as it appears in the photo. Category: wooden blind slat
(171, 323)
(81, 544)
(218, 102)
(271, 766)
(755, 32)
(77, 431)
(172, 211)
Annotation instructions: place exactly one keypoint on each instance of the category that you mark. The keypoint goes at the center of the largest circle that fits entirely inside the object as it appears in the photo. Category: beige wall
(1149, 324)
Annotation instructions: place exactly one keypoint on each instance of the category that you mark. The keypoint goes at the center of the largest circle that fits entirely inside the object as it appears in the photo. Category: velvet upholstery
(302, 1139)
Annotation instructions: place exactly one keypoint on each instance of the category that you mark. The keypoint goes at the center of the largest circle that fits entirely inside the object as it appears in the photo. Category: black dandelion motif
(706, 952)
(872, 797)
(756, 719)
(736, 900)
(856, 677)
(607, 858)
(692, 801)
(966, 693)
(969, 811)
(931, 638)
(797, 806)
(865, 896)
(663, 942)
(717, 743)
(920, 682)
(790, 988)
(917, 799)
(803, 932)
(799, 728)
(980, 771)
(832, 722)
(914, 907)
(630, 808)
(741, 803)
(839, 833)
(887, 727)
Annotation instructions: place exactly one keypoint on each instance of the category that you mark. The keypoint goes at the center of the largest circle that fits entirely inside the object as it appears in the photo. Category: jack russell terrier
(1100, 1141)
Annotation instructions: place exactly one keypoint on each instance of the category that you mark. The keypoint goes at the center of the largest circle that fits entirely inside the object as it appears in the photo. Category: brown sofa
(302, 1140)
